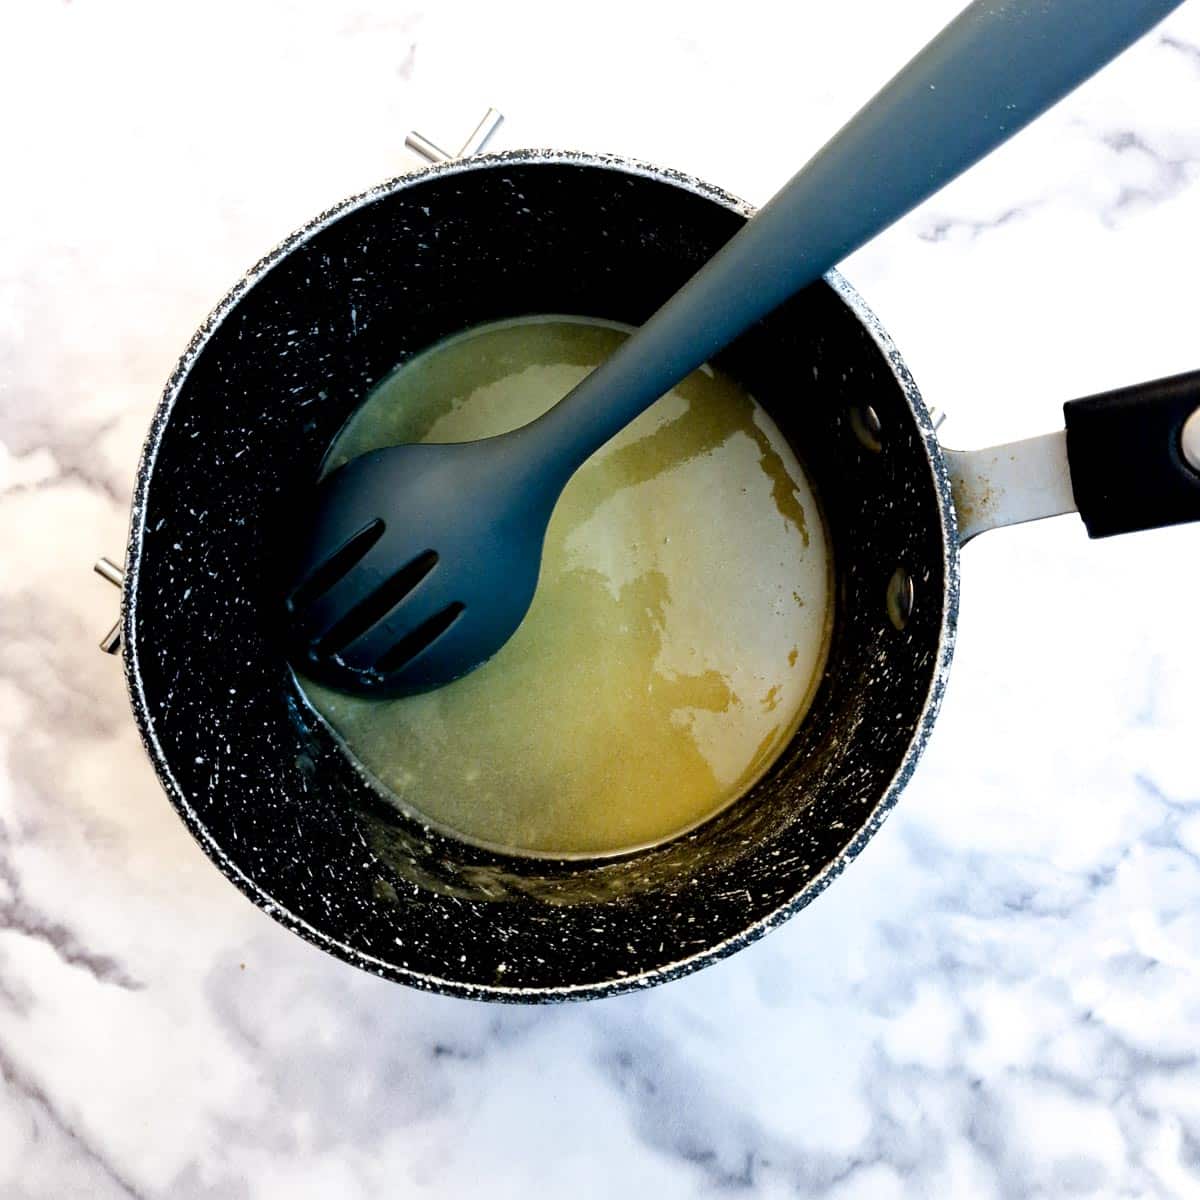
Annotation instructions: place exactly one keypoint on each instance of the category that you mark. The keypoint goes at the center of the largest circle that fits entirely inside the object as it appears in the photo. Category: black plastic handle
(1125, 448)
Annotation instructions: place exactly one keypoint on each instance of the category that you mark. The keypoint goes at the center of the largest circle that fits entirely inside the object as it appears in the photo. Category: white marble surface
(1001, 997)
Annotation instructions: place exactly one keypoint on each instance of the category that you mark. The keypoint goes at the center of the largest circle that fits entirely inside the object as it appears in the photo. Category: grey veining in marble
(1001, 997)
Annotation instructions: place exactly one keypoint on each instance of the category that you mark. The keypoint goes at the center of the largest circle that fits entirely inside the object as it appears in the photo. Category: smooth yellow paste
(679, 628)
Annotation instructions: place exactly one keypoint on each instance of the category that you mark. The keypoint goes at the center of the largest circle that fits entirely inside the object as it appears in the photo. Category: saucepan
(286, 357)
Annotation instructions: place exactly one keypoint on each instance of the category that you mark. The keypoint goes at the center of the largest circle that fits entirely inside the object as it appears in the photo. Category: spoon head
(414, 566)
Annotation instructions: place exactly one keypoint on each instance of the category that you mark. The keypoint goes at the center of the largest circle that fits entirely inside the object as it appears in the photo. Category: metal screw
(864, 420)
(419, 144)
(110, 643)
(1191, 441)
(900, 597)
(107, 569)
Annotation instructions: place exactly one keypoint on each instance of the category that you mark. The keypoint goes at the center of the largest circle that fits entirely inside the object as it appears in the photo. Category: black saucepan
(239, 435)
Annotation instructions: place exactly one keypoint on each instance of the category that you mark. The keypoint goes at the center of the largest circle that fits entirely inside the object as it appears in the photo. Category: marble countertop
(1001, 997)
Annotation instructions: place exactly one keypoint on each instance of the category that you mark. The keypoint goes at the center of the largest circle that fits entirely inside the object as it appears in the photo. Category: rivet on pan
(900, 596)
(864, 420)
(1191, 441)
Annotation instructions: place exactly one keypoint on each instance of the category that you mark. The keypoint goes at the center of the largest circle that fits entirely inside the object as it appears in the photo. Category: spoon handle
(991, 71)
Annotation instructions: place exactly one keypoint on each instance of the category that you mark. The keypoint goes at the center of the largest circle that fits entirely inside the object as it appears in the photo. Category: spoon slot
(336, 565)
(421, 638)
(377, 604)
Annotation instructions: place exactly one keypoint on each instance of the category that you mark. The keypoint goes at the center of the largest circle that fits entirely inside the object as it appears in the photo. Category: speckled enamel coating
(243, 423)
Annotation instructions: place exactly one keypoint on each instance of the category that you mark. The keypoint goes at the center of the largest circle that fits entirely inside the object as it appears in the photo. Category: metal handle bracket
(1010, 484)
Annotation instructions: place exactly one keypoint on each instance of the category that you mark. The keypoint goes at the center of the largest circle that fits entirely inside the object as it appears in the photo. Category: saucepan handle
(1128, 460)
(1134, 455)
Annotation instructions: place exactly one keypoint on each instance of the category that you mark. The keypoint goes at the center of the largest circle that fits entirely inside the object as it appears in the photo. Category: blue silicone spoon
(422, 560)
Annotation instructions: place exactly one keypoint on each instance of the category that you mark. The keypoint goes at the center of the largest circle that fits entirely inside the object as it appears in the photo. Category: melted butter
(678, 631)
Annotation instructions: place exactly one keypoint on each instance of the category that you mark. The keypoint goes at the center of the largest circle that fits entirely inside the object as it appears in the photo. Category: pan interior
(678, 630)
